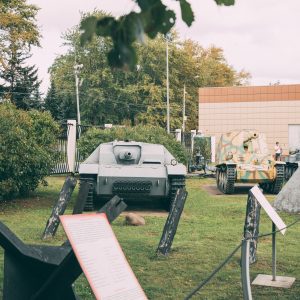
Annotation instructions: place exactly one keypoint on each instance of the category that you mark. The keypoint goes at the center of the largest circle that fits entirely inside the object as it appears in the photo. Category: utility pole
(76, 72)
(168, 102)
(183, 110)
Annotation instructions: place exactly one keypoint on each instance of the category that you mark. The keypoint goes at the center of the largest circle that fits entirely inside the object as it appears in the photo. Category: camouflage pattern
(247, 151)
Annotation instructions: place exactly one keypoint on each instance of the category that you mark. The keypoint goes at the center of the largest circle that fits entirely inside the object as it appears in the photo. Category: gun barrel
(251, 137)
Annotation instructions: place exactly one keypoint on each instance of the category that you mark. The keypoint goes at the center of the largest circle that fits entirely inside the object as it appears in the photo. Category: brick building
(274, 110)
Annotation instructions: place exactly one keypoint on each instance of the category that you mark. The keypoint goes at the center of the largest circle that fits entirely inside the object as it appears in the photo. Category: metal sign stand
(273, 252)
(271, 280)
(274, 280)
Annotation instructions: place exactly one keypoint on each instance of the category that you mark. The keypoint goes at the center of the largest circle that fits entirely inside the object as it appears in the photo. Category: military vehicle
(243, 156)
(292, 162)
(200, 154)
(133, 171)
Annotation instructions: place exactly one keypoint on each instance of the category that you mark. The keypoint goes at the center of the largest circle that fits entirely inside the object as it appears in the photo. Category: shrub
(26, 149)
(149, 134)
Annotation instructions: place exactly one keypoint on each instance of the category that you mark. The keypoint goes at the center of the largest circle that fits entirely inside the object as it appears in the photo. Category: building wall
(269, 109)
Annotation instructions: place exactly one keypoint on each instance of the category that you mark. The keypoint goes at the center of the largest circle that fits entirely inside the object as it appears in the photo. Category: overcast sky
(260, 36)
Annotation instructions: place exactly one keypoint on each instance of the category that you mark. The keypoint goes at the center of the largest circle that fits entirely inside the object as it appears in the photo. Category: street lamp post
(183, 110)
(76, 72)
(168, 101)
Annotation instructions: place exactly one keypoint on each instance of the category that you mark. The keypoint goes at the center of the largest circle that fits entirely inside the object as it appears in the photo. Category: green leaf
(158, 19)
(225, 2)
(186, 12)
(132, 28)
(122, 56)
(146, 4)
(105, 26)
(88, 25)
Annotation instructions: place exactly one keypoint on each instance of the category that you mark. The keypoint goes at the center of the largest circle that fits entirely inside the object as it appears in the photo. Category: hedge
(27, 150)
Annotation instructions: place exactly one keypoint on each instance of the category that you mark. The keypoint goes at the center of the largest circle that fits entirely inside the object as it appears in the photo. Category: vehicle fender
(88, 169)
(178, 169)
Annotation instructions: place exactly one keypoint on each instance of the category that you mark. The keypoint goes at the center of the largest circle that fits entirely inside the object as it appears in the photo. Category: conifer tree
(19, 83)
(53, 102)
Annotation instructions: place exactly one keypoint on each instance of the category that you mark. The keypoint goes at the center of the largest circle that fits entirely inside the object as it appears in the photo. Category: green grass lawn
(210, 228)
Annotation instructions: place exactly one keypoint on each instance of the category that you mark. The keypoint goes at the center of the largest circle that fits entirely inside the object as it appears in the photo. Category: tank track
(290, 169)
(176, 182)
(280, 178)
(89, 204)
(226, 179)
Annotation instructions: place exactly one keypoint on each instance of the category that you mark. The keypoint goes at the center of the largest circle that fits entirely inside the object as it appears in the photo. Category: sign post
(277, 223)
(273, 251)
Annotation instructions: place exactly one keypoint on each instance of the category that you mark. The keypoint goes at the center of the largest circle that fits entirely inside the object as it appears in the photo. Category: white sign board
(101, 257)
(256, 192)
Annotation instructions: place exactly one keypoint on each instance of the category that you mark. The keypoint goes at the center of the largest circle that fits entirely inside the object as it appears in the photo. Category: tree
(187, 60)
(23, 88)
(138, 96)
(18, 33)
(27, 151)
(53, 102)
(153, 18)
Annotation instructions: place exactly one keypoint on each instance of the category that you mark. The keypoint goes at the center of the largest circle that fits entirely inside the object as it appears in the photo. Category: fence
(62, 164)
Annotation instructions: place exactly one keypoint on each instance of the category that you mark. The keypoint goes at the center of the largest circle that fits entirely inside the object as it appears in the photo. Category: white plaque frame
(101, 258)
(271, 212)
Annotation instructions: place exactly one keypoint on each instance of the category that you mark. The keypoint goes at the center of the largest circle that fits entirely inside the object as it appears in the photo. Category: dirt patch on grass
(239, 190)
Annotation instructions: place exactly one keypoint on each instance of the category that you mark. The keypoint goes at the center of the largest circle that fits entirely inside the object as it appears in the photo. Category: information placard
(101, 257)
(271, 212)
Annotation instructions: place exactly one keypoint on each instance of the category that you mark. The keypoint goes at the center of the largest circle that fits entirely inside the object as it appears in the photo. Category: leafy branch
(154, 17)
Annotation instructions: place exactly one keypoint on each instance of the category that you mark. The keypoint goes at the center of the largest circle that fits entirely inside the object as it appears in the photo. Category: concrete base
(280, 282)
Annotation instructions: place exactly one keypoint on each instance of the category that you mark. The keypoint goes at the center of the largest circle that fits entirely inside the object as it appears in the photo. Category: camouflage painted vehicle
(243, 156)
(133, 171)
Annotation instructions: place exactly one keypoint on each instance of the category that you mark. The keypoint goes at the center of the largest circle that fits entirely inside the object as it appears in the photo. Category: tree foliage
(139, 96)
(19, 83)
(27, 149)
(152, 19)
(53, 103)
(148, 134)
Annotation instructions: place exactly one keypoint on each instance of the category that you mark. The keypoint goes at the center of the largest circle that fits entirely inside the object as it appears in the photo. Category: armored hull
(242, 156)
(292, 163)
(133, 171)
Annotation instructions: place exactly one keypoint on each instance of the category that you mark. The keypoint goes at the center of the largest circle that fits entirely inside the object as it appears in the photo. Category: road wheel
(226, 179)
